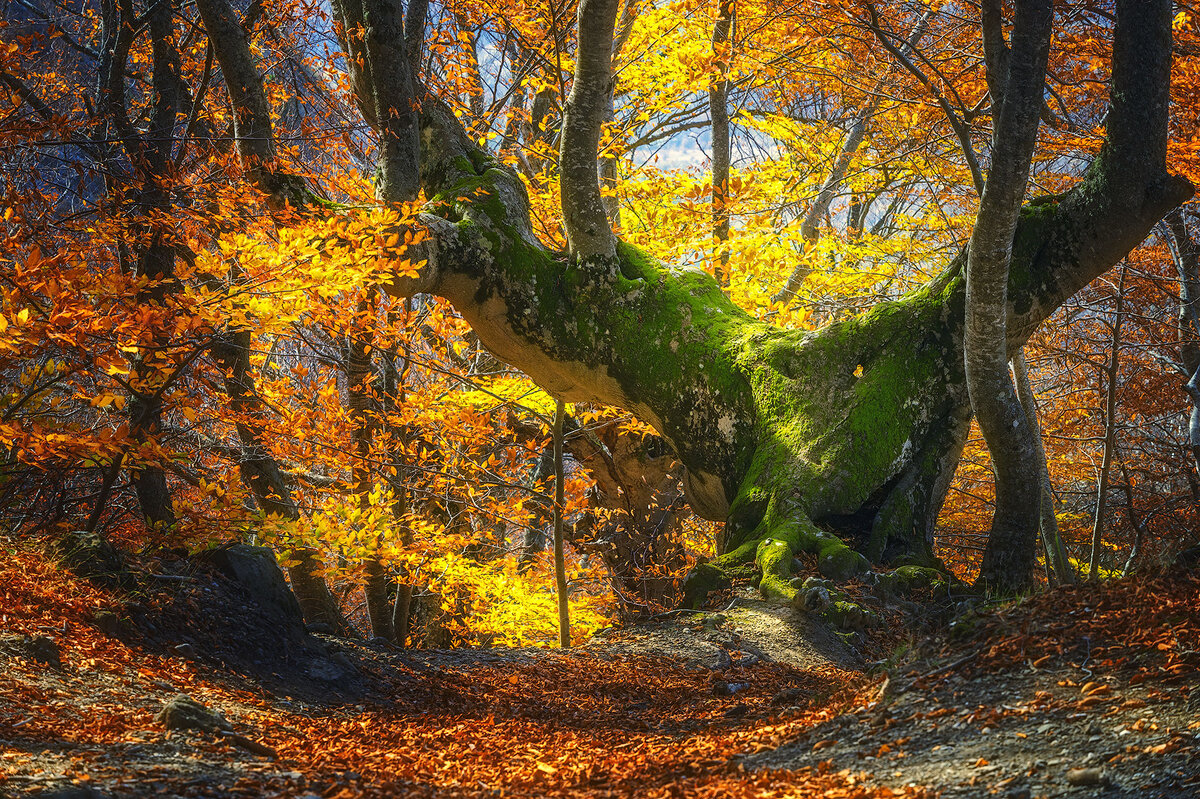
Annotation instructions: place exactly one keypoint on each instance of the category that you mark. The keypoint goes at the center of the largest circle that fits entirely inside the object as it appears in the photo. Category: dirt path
(1017, 733)
(747, 627)
(750, 700)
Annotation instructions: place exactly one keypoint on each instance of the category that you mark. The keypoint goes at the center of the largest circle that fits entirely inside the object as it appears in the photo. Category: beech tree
(839, 442)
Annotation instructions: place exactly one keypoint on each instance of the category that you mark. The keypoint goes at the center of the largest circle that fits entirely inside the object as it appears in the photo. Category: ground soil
(745, 699)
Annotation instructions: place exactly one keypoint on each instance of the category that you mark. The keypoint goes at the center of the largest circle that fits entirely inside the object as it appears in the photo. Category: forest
(600, 398)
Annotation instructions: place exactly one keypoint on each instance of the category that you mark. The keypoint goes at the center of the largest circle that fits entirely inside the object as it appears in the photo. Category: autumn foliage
(112, 366)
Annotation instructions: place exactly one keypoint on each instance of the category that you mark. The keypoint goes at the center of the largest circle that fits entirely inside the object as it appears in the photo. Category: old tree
(839, 442)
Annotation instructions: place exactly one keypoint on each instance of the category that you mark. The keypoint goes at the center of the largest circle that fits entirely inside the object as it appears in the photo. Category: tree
(839, 442)
(1008, 561)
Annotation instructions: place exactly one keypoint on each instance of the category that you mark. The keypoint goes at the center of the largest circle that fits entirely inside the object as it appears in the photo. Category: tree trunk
(359, 372)
(560, 560)
(718, 112)
(266, 480)
(1008, 559)
(393, 397)
(1111, 373)
(1186, 254)
(1056, 554)
(1139, 530)
(799, 438)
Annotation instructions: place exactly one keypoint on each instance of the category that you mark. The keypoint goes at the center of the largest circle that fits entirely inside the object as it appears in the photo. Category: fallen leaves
(574, 724)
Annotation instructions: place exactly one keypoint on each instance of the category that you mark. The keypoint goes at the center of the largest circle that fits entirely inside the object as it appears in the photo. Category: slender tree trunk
(149, 156)
(560, 561)
(718, 113)
(610, 177)
(1186, 254)
(1139, 531)
(589, 235)
(1057, 561)
(1008, 559)
(1111, 373)
(359, 374)
(393, 399)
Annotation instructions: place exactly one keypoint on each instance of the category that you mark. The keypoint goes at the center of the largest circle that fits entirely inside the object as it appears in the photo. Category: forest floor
(1080, 692)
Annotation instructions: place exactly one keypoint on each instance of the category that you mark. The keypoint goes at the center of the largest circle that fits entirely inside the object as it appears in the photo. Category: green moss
(1034, 228)
(774, 558)
(847, 615)
(795, 426)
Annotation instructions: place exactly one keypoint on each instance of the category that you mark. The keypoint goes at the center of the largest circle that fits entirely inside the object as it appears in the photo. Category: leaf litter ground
(751, 702)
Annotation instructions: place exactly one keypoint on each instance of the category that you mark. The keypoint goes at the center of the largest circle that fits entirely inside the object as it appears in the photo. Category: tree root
(773, 559)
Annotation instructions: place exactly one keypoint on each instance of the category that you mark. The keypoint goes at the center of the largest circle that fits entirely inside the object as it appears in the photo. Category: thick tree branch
(589, 235)
(252, 115)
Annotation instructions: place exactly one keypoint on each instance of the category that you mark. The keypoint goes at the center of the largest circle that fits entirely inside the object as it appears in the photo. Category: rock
(813, 595)
(1085, 776)
(112, 625)
(90, 556)
(184, 713)
(39, 648)
(788, 696)
(256, 570)
(722, 688)
(851, 616)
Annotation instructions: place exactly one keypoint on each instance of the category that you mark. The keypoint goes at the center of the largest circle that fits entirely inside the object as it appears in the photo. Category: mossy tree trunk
(841, 441)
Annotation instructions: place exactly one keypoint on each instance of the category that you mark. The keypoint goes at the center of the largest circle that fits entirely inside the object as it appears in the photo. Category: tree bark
(589, 236)
(1009, 556)
(1111, 373)
(1186, 254)
(560, 559)
(381, 59)
(718, 112)
(1052, 543)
